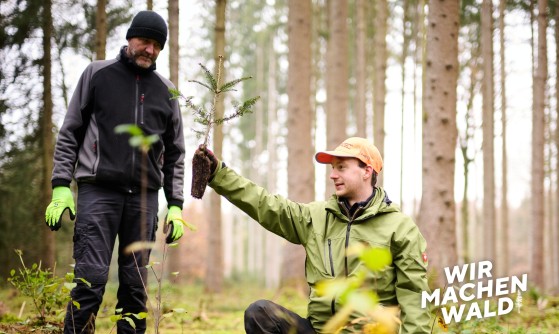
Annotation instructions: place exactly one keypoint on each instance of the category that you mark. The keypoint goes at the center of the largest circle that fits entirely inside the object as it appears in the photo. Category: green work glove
(174, 224)
(62, 199)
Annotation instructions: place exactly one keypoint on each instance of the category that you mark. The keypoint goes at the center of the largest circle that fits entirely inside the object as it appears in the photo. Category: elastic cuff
(60, 183)
(174, 202)
(220, 165)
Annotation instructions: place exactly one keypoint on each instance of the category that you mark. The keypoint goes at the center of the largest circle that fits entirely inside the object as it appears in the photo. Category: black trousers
(264, 316)
(102, 215)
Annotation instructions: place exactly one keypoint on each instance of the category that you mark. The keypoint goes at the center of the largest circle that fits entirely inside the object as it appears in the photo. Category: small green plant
(49, 293)
(126, 317)
(157, 310)
(208, 119)
(143, 143)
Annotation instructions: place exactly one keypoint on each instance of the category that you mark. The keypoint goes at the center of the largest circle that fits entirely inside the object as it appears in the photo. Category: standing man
(358, 212)
(125, 90)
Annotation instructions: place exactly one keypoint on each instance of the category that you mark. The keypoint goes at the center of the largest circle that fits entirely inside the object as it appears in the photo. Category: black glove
(210, 155)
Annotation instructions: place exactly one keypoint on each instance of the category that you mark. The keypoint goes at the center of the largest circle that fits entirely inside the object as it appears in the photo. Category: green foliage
(137, 137)
(354, 294)
(49, 293)
(224, 311)
(127, 317)
(213, 83)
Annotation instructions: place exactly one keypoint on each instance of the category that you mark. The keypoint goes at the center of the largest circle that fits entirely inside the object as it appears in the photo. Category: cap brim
(327, 156)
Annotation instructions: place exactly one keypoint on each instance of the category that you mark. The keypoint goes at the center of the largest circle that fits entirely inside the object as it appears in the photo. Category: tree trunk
(273, 242)
(538, 142)
(258, 234)
(101, 30)
(488, 106)
(174, 54)
(555, 220)
(379, 81)
(437, 218)
(406, 37)
(174, 262)
(337, 77)
(49, 246)
(465, 143)
(420, 42)
(214, 277)
(361, 70)
(300, 167)
(504, 164)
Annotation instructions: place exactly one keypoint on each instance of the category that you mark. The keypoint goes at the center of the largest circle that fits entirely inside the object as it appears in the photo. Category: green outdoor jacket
(325, 232)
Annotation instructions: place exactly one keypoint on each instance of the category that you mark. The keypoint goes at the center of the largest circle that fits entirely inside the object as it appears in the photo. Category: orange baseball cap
(354, 147)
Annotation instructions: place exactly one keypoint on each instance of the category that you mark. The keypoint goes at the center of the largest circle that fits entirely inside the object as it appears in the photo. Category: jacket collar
(378, 203)
(350, 210)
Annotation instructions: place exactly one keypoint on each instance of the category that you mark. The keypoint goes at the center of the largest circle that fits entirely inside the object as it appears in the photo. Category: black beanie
(148, 24)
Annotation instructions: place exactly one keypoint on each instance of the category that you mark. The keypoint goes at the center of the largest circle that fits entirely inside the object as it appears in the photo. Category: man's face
(143, 51)
(351, 181)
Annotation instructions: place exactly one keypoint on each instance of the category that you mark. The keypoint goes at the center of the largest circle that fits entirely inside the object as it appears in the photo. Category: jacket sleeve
(411, 280)
(173, 164)
(72, 132)
(288, 219)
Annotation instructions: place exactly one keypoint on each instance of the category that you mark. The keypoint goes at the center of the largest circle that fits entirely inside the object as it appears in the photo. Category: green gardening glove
(174, 224)
(62, 199)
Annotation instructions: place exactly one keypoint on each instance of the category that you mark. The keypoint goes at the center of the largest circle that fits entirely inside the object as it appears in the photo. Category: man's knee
(260, 315)
(257, 308)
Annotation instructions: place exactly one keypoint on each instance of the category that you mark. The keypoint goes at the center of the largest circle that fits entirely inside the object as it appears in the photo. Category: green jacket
(325, 232)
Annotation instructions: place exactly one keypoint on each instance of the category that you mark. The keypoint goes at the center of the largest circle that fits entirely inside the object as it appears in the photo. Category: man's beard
(143, 62)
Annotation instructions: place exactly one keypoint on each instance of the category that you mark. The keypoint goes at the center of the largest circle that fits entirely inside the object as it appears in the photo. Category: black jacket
(110, 93)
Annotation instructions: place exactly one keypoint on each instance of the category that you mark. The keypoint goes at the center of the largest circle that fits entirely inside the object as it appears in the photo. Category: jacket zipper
(331, 258)
(135, 123)
(142, 109)
(348, 230)
(346, 246)
(333, 304)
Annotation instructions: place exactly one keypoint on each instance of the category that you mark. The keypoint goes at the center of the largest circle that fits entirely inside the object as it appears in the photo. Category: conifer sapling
(200, 163)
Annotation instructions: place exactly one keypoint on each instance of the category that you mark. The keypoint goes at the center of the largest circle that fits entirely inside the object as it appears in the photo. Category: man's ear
(368, 172)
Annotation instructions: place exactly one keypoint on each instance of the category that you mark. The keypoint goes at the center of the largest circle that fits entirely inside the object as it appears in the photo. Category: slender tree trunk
(420, 42)
(538, 142)
(488, 106)
(259, 147)
(101, 30)
(174, 48)
(437, 218)
(555, 221)
(273, 242)
(379, 80)
(174, 262)
(504, 171)
(149, 4)
(361, 69)
(548, 213)
(214, 277)
(49, 243)
(300, 167)
(466, 141)
(337, 77)
(405, 46)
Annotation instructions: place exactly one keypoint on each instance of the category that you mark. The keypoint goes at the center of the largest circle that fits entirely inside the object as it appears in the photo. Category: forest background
(460, 97)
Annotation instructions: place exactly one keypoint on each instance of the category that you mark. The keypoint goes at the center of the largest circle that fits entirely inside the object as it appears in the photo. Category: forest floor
(222, 313)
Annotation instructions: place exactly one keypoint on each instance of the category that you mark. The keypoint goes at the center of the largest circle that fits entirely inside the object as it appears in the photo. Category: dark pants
(102, 214)
(264, 316)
